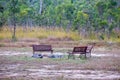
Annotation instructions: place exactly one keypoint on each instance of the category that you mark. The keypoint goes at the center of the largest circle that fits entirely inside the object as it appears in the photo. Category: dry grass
(39, 33)
(51, 33)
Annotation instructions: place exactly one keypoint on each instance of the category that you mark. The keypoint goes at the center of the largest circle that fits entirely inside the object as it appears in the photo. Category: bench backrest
(80, 49)
(42, 48)
(89, 48)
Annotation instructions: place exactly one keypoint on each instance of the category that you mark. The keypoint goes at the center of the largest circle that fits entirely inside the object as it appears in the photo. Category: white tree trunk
(40, 10)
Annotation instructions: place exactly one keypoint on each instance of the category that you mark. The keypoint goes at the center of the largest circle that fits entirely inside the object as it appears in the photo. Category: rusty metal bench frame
(82, 50)
(89, 49)
(42, 48)
(78, 50)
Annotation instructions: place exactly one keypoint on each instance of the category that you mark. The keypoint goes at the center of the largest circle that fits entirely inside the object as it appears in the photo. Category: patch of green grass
(71, 60)
(62, 60)
(24, 58)
(2, 45)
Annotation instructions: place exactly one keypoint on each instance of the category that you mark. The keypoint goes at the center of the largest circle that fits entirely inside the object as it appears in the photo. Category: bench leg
(51, 52)
(90, 54)
(85, 55)
(73, 56)
(69, 56)
(33, 52)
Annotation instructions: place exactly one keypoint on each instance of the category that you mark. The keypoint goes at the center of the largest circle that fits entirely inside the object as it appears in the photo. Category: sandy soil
(17, 63)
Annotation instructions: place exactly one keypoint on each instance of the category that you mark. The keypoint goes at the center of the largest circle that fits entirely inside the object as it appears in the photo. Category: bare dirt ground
(17, 63)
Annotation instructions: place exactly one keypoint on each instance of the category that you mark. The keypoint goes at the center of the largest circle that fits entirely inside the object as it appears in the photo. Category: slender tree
(14, 10)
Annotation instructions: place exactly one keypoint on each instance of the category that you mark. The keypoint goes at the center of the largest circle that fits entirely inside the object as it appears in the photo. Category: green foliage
(1, 15)
(101, 37)
(86, 14)
(1, 8)
(14, 7)
(1, 21)
(81, 19)
(69, 10)
(112, 4)
(101, 6)
(103, 23)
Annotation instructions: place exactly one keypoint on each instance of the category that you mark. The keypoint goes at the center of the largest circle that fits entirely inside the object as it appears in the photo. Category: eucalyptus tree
(13, 13)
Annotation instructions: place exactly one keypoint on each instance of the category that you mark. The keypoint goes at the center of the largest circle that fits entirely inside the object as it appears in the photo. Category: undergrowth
(51, 33)
(39, 33)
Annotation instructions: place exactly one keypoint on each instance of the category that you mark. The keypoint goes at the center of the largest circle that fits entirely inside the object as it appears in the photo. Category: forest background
(71, 19)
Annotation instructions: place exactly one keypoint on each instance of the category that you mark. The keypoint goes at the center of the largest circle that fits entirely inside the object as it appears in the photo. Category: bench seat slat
(42, 48)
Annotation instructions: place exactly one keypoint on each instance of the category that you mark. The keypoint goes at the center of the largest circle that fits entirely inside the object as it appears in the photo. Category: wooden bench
(42, 48)
(78, 50)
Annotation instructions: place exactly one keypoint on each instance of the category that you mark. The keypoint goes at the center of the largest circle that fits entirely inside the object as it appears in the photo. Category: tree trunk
(68, 26)
(14, 31)
(40, 10)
